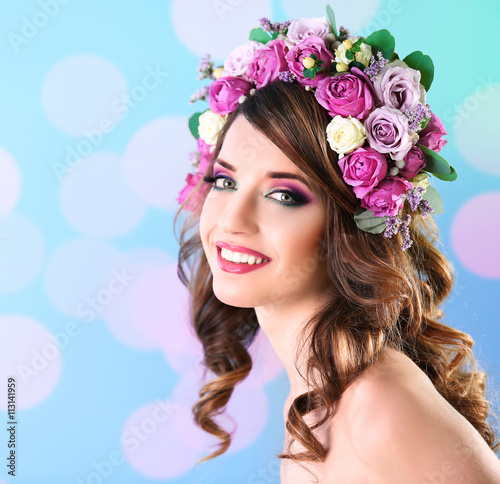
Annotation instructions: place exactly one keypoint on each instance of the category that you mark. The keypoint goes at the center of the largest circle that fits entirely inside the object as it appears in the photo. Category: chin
(233, 296)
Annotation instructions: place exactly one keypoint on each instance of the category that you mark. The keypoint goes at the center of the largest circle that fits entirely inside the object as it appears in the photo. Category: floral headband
(386, 137)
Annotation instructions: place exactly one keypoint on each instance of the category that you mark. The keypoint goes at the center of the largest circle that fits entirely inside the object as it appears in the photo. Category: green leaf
(367, 222)
(357, 64)
(437, 165)
(394, 57)
(382, 41)
(311, 73)
(259, 35)
(193, 123)
(349, 55)
(432, 195)
(423, 63)
(424, 123)
(331, 18)
(314, 56)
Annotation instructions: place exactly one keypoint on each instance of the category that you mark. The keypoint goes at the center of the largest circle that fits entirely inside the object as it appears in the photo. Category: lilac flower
(417, 116)
(414, 197)
(206, 68)
(200, 95)
(279, 28)
(287, 76)
(395, 225)
(265, 23)
(375, 66)
(343, 33)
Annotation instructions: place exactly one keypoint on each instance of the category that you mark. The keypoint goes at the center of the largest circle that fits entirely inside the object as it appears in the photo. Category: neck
(284, 326)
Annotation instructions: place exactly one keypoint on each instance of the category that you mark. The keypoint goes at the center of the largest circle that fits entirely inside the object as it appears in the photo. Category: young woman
(381, 391)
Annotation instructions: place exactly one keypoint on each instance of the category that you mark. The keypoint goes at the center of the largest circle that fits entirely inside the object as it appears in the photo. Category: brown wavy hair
(381, 296)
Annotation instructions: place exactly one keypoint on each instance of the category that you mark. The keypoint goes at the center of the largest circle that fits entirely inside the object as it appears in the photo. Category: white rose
(421, 180)
(300, 29)
(345, 134)
(238, 60)
(363, 56)
(210, 126)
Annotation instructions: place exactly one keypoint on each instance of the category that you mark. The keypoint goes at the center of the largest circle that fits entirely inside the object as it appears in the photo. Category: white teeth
(240, 258)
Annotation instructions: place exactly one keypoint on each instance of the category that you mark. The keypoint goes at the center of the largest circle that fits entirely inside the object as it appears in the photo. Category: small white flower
(363, 56)
(210, 126)
(345, 134)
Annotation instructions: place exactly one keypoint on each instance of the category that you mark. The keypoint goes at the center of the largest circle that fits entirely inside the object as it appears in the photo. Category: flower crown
(386, 137)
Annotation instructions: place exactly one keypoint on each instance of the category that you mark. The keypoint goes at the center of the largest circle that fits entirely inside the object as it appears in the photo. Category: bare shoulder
(403, 430)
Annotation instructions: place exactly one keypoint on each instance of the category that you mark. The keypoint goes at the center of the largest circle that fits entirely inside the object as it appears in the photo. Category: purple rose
(191, 182)
(311, 45)
(432, 135)
(387, 132)
(398, 86)
(225, 93)
(308, 27)
(363, 169)
(414, 162)
(385, 198)
(236, 63)
(267, 63)
(346, 95)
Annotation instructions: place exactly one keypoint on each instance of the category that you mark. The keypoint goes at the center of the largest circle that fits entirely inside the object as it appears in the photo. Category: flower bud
(400, 164)
(308, 62)
(330, 38)
(347, 44)
(394, 171)
(342, 67)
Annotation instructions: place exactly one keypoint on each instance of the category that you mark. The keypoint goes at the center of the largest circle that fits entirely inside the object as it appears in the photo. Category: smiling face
(262, 214)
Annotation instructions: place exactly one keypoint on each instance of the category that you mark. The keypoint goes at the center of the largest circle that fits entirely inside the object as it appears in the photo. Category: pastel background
(93, 151)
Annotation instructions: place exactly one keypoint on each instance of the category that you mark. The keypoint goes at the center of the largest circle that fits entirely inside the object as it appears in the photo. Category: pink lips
(233, 267)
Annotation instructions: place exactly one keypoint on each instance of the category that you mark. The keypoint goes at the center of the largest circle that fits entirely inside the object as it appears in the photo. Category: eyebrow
(270, 174)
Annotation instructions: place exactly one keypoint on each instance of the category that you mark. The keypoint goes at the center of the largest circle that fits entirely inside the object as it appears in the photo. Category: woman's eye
(220, 182)
(286, 198)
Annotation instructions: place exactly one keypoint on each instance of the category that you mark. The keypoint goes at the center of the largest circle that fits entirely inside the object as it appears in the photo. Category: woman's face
(261, 225)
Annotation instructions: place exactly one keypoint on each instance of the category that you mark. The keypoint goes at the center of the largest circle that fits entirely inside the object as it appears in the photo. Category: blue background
(55, 239)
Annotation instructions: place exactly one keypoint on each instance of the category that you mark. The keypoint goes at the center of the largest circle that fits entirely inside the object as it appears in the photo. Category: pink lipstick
(238, 268)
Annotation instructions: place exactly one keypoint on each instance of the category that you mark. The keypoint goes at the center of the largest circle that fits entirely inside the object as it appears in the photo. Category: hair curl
(382, 296)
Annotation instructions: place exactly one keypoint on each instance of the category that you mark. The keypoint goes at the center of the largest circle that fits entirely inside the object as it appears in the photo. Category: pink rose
(205, 155)
(267, 63)
(414, 162)
(385, 198)
(346, 95)
(303, 28)
(311, 45)
(191, 182)
(398, 86)
(363, 169)
(237, 62)
(432, 135)
(225, 93)
(387, 132)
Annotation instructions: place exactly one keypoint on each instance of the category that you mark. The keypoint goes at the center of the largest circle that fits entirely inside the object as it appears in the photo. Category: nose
(239, 214)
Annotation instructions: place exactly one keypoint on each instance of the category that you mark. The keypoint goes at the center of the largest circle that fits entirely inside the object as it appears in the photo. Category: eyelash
(297, 199)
